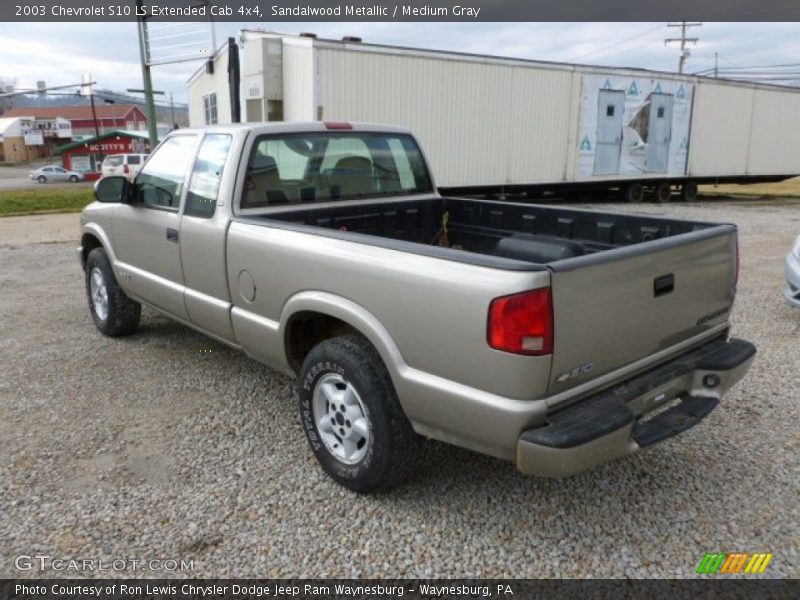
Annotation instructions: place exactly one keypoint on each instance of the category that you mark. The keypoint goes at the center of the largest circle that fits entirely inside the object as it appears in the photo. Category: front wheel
(351, 415)
(41, 179)
(113, 313)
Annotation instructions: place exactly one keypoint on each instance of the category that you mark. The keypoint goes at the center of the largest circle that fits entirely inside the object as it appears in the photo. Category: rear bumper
(617, 422)
(792, 271)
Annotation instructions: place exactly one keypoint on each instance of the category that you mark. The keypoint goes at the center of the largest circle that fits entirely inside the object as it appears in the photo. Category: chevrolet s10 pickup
(552, 337)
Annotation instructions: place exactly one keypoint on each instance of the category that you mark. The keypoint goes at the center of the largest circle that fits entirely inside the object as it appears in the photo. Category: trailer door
(660, 135)
(610, 109)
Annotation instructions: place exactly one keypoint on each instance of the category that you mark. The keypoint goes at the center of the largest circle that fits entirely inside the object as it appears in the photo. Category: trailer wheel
(663, 192)
(689, 191)
(633, 192)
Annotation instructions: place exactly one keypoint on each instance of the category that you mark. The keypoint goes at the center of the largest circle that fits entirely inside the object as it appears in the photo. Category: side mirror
(112, 189)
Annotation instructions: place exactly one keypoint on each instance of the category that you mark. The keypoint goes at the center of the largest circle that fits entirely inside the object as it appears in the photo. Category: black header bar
(274, 11)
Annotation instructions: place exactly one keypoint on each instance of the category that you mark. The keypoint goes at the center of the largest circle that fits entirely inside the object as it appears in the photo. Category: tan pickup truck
(552, 337)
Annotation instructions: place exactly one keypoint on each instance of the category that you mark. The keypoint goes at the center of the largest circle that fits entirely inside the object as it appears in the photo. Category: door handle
(663, 285)
(172, 235)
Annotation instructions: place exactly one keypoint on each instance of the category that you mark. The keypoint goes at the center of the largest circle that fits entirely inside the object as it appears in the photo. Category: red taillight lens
(522, 323)
(126, 169)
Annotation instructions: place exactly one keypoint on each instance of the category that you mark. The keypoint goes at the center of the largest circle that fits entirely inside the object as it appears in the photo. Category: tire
(689, 191)
(663, 192)
(73, 178)
(41, 179)
(368, 446)
(113, 313)
(633, 192)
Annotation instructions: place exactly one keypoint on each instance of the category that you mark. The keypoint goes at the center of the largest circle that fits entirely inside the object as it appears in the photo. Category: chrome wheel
(99, 293)
(341, 418)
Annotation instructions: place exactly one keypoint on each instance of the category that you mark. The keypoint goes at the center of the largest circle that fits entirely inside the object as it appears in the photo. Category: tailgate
(615, 307)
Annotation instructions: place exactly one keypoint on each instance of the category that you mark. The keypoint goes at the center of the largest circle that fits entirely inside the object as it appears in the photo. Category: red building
(86, 156)
(110, 117)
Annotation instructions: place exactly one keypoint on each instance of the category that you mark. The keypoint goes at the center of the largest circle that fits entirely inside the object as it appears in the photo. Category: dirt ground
(167, 445)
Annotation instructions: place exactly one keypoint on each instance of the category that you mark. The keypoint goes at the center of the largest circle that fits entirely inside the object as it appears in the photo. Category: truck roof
(302, 127)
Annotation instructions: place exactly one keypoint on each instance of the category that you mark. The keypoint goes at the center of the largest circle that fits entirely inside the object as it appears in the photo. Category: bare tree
(6, 85)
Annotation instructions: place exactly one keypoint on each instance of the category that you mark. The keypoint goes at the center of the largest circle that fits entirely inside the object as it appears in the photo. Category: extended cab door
(146, 236)
(204, 226)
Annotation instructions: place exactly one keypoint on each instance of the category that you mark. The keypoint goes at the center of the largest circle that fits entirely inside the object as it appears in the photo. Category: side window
(134, 159)
(160, 183)
(207, 175)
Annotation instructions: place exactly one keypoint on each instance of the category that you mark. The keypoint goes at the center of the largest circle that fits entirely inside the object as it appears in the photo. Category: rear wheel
(41, 179)
(689, 191)
(663, 192)
(633, 192)
(351, 415)
(113, 313)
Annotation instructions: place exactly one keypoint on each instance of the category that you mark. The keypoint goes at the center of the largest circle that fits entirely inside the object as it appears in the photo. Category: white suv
(123, 164)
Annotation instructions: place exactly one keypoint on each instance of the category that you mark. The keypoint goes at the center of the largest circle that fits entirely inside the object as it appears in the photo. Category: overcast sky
(59, 53)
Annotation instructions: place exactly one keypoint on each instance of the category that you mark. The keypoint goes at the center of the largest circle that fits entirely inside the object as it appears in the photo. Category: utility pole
(683, 41)
(147, 80)
(94, 115)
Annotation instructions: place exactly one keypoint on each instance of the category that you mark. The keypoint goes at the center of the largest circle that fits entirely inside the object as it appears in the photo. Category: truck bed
(529, 233)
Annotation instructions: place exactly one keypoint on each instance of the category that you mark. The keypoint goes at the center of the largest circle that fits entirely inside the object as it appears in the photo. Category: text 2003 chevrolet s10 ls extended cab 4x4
(552, 337)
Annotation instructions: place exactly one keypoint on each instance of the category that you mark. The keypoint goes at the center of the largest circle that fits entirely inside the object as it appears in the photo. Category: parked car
(556, 338)
(127, 165)
(55, 173)
(792, 270)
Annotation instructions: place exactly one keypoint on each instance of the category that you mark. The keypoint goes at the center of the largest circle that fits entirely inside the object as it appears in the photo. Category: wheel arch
(312, 317)
(94, 237)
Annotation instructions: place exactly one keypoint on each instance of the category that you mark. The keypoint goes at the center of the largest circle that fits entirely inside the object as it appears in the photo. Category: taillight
(126, 169)
(522, 323)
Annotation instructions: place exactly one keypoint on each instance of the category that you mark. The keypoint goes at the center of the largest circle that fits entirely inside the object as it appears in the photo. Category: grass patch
(43, 201)
(787, 189)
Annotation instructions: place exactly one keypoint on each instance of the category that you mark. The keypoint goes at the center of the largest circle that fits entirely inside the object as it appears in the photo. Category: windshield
(317, 167)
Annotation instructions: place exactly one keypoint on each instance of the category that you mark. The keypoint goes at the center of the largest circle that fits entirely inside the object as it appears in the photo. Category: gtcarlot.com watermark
(44, 562)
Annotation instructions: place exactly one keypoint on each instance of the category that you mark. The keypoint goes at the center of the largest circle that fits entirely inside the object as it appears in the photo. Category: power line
(614, 45)
(684, 25)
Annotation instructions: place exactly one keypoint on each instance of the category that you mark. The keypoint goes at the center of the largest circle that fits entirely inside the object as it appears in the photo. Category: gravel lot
(168, 445)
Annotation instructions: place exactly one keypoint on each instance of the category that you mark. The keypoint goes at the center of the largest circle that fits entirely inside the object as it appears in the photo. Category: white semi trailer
(494, 125)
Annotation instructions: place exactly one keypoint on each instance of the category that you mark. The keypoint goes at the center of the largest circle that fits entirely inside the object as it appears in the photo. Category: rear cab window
(326, 166)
